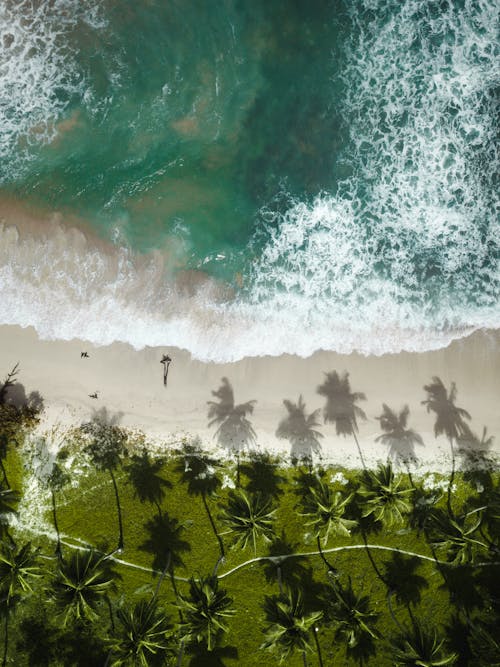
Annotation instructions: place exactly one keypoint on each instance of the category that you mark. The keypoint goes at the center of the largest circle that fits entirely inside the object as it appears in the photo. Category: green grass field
(87, 515)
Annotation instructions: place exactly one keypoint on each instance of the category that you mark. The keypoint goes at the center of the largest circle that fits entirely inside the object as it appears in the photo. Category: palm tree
(399, 439)
(382, 503)
(341, 408)
(80, 584)
(166, 544)
(199, 472)
(456, 536)
(354, 620)
(449, 419)
(17, 567)
(9, 420)
(8, 503)
(299, 429)
(382, 497)
(249, 517)
(107, 447)
(420, 647)
(325, 510)
(234, 431)
(143, 635)
(144, 474)
(289, 626)
(17, 412)
(206, 610)
(57, 480)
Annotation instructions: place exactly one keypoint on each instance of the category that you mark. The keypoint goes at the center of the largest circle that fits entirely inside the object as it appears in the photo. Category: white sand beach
(130, 382)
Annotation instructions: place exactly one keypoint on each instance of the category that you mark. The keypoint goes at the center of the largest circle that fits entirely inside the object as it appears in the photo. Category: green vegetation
(249, 563)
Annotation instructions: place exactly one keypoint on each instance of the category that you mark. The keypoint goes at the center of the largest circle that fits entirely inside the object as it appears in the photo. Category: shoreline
(130, 382)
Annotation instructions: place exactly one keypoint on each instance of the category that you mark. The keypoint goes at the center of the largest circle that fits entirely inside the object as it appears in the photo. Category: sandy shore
(131, 383)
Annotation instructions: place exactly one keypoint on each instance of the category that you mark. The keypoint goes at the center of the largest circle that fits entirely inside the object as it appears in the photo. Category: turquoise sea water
(336, 163)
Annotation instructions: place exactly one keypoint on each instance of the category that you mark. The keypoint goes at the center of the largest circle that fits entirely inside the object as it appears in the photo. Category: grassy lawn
(87, 514)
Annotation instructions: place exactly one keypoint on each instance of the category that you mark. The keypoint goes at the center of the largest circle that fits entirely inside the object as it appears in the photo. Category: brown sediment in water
(38, 223)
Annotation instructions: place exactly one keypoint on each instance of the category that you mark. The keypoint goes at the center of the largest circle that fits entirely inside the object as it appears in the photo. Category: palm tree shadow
(218, 657)
(288, 571)
(399, 439)
(39, 641)
(340, 408)
(104, 417)
(14, 394)
(144, 475)
(262, 474)
(234, 431)
(81, 647)
(165, 542)
(462, 587)
(474, 452)
(402, 578)
(299, 429)
(365, 649)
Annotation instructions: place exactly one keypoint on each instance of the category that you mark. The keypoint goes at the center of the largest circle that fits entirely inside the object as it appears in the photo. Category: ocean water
(330, 166)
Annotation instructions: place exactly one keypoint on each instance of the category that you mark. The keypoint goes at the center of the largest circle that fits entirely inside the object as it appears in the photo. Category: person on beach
(165, 360)
(84, 355)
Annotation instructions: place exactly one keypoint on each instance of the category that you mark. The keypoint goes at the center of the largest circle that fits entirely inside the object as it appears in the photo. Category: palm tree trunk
(162, 575)
(4, 472)
(323, 557)
(359, 450)
(214, 528)
(304, 658)
(280, 578)
(56, 526)
(452, 477)
(180, 654)
(409, 475)
(391, 611)
(318, 647)
(158, 507)
(120, 524)
(111, 616)
(6, 640)
(372, 561)
(176, 593)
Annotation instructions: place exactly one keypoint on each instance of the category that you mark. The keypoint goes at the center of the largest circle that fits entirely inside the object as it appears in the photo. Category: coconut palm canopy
(249, 517)
(206, 610)
(289, 625)
(382, 497)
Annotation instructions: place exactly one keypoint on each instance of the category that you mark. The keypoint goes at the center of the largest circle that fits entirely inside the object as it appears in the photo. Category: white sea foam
(410, 242)
(39, 72)
(403, 256)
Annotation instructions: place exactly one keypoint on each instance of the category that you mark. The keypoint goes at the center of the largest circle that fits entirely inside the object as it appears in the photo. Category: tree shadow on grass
(402, 578)
(263, 475)
(462, 588)
(165, 542)
(290, 571)
(81, 648)
(144, 475)
(220, 656)
(38, 641)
